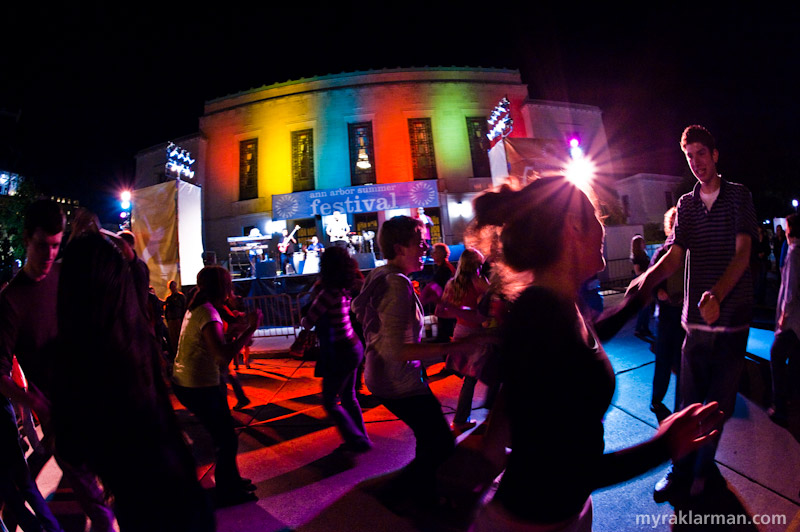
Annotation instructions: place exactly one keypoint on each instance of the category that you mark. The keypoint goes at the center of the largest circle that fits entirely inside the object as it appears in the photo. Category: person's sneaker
(354, 448)
(670, 487)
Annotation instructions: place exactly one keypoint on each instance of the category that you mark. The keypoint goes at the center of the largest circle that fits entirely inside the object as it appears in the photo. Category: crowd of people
(512, 315)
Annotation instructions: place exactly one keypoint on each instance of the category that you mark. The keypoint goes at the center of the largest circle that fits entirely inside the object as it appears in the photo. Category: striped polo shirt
(709, 239)
(336, 305)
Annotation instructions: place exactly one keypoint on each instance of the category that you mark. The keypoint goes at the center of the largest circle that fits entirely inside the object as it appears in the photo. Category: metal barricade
(301, 301)
(617, 275)
(280, 316)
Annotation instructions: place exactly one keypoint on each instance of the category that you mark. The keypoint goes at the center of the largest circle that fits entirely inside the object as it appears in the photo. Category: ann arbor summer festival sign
(349, 200)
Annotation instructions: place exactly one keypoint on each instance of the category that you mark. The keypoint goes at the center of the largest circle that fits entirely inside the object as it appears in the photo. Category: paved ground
(286, 444)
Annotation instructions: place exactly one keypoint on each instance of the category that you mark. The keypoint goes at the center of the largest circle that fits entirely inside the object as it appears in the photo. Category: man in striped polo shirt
(714, 231)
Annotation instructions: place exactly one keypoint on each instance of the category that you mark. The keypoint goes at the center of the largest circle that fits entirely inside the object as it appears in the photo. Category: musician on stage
(287, 247)
(315, 245)
(427, 223)
(255, 253)
(338, 229)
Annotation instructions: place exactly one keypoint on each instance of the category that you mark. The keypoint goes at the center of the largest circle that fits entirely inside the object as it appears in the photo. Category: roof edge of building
(361, 77)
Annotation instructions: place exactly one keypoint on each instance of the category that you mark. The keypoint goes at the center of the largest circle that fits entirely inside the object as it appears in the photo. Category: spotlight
(581, 172)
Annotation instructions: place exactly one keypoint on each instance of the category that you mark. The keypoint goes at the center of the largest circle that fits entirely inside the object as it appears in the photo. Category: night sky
(94, 85)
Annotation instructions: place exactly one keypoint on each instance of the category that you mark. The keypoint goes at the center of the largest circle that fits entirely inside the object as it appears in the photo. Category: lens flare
(581, 172)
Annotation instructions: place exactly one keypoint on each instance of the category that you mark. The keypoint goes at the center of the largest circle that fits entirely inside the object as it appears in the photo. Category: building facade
(270, 158)
(646, 197)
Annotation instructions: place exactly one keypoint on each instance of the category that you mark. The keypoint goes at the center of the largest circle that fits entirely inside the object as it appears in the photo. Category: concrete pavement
(286, 444)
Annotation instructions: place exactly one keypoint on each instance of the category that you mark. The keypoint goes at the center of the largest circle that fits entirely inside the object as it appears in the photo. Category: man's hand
(709, 308)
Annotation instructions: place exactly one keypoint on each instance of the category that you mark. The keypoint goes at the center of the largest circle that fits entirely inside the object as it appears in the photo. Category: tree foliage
(12, 211)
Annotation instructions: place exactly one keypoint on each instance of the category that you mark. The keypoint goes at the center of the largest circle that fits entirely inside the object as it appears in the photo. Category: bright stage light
(581, 172)
(462, 209)
(125, 195)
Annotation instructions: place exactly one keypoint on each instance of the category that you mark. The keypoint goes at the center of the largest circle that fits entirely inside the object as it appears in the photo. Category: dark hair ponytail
(531, 220)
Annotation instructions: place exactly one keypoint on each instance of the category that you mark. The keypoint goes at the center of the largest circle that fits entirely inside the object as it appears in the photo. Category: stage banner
(190, 234)
(154, 223)
(350, 200)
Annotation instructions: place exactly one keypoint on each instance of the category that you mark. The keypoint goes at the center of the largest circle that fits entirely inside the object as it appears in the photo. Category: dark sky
(96, 84)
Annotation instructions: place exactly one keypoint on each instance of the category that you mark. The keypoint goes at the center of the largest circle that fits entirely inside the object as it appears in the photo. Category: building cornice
(361, 79)
(564, 105)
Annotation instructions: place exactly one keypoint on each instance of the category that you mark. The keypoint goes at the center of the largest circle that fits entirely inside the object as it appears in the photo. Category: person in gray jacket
(392, 318)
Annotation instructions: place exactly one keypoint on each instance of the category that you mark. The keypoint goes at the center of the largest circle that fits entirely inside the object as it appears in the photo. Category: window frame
(477, 129)
(248, 178)
(360, 176)
(419, 171)
(301, 182)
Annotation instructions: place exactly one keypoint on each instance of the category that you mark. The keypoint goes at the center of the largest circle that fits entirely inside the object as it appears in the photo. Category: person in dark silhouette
(786, 345)
(557, 380)
(111, 406)
(669, 333)
(28, 323)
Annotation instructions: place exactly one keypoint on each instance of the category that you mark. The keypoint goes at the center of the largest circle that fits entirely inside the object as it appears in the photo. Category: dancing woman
(558, 382)
(202, 348)
(460, 300)
(342, 351)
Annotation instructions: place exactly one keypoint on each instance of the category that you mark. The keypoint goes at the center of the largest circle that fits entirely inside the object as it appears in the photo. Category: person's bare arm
(398, 311)
(710, 301)
(431, 350)
(644, 285)
(639, 293)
